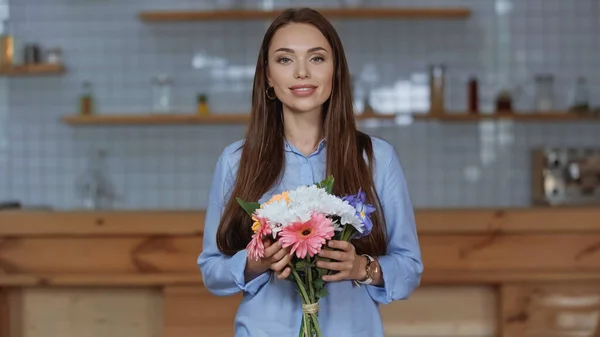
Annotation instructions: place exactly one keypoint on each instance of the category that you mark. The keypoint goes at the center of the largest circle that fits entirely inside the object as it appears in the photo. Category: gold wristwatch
(372, 269)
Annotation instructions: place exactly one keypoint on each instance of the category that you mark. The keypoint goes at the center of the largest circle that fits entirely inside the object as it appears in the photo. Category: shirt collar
(291, 148)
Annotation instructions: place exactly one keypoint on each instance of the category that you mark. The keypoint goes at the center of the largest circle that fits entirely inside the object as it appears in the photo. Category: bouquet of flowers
(305, 219)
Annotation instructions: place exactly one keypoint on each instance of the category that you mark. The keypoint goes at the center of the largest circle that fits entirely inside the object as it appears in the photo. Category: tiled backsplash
(447, 165)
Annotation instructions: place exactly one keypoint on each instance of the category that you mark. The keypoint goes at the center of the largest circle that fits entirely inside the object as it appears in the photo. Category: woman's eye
(283, 60)
(318, 59)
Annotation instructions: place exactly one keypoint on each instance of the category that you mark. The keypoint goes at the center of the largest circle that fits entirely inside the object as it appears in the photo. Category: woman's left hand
(349, 265)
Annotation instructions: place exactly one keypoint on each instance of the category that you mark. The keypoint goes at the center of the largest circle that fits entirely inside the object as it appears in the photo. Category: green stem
(307, 330)
(347, 235)
(316, 324)
(300, 283)
(311, 289)
(343, 233)
(305, 299)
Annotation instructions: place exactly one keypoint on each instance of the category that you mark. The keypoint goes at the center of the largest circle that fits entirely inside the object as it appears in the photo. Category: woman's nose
(302, 71)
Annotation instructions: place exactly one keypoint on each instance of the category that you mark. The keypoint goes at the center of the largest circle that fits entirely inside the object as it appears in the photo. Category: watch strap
(369, 278)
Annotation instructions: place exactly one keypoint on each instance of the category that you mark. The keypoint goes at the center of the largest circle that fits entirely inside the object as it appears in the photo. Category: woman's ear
(269, 82)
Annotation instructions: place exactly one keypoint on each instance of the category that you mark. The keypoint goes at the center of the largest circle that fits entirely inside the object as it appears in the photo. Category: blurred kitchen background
(74, 59)
(492, 105)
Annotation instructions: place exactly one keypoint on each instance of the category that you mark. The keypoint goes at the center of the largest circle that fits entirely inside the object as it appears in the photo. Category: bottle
(436, 89)
(581, 96)
(202, 102)
(473, 96)
(504, 102)
(86, 105)
(93, 185)
(161, 94)
(544, 95)
(6, 47)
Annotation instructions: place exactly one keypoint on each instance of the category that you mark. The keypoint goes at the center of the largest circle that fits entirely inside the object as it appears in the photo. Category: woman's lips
(303, 90)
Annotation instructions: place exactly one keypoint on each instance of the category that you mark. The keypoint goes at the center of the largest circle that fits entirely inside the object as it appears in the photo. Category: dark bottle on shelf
(473, 96)
(504, 102)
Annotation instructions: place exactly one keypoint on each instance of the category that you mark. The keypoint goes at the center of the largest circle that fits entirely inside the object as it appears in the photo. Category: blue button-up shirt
(272, 307)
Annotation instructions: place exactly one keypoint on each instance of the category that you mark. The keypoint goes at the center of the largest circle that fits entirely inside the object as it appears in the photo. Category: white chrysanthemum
(277, 213)
(307, 199)
(303, 201)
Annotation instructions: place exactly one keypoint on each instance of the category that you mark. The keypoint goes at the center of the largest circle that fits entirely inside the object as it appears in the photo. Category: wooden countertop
(168, 222)
(158, 248)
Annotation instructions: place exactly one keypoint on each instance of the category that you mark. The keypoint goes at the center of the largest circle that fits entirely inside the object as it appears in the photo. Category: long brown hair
(262, 159)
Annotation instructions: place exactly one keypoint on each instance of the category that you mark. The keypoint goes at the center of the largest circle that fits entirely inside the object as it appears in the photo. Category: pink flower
(308, 237)
(256, 247)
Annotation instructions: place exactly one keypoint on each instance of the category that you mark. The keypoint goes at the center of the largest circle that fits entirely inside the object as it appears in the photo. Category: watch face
(370, 271)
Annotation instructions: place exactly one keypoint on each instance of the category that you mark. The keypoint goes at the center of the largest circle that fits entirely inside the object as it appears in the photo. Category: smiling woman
(300, 70)
(301, 130)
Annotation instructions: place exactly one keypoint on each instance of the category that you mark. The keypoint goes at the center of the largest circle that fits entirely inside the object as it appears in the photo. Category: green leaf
(249, 207)
(318, 283)
(322, 293)
(301, 265)
(327, 184)
(321, 272)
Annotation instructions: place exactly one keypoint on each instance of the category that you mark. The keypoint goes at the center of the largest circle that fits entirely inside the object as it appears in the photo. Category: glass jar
(54, 56)
(544, 96)
(581, 96)
(161, 94)
(437, 79)
(86, 99)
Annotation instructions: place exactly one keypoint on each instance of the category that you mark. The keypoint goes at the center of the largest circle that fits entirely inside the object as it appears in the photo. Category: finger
(333, 254)
(336, 277)
(341, 245)
(281, 264)
(272, 249)
(280, 254)
(284, 274)
(337, 266)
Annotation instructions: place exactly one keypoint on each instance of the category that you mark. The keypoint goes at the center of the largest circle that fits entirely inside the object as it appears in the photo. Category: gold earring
(271, 97)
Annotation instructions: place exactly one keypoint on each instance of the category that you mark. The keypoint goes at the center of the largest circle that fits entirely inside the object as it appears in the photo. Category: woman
(302, 129)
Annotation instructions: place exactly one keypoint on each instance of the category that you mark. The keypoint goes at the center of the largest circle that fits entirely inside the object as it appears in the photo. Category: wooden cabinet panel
(512, 252)
(193, 311)
(97, 255)
(92, 312)
(433, 311)
(558, 310)
(11, 311)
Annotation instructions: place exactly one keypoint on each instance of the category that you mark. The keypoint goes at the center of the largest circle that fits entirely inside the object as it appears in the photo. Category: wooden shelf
(331, 13)
(181, 119)
(174, 119)
(557, 116)
(33, 69)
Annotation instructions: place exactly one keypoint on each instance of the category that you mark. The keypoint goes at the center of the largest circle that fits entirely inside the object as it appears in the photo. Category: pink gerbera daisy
(256, 247)
(307, 237)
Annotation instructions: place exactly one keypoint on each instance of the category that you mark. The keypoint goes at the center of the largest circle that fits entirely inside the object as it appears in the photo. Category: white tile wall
(5, 187)
(447, 165)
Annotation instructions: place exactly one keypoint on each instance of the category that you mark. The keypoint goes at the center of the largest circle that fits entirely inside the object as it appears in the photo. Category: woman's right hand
(276, 258)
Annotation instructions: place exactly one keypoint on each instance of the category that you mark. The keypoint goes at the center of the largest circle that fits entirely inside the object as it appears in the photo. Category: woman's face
(300, 67)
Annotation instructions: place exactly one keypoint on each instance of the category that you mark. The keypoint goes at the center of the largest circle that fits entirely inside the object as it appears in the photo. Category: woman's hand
(276, 258)
(349, 265)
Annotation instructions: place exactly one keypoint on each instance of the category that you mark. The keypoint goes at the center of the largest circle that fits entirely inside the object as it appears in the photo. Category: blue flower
(363, 210)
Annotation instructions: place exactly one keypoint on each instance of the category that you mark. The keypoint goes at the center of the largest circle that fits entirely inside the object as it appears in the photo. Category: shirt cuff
(384, 294)
(237, 265)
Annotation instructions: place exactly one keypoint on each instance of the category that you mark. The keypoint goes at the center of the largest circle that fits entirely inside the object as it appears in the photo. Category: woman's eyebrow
(311, 50)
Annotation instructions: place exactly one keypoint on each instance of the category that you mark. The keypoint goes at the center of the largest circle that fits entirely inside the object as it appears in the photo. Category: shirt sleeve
(223, 275)
(401, 266)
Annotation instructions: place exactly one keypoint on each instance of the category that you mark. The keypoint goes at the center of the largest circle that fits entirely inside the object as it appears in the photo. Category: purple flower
(363, 210)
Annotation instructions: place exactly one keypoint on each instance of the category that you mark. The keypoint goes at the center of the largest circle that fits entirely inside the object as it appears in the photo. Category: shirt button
(305, 160)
